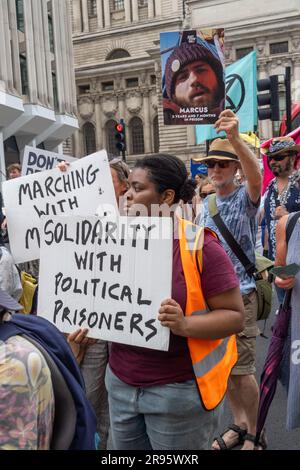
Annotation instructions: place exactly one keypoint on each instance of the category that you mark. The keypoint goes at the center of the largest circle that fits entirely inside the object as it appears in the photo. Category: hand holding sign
(172, 316)
(229, 123)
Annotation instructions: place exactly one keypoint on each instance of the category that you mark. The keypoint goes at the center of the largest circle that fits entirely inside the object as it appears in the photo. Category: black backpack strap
(228, 237)
(290, 226)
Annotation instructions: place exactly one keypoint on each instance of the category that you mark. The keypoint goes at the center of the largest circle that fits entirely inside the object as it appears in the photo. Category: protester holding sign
(92, 354)
(153, 396)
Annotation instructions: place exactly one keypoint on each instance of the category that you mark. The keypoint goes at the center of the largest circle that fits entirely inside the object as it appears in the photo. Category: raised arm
(229, 123)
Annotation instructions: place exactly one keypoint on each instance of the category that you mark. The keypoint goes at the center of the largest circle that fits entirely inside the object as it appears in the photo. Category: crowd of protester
(146, 399)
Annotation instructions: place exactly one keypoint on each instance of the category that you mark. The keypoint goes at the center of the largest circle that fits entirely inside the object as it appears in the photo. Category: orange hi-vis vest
(212, 359)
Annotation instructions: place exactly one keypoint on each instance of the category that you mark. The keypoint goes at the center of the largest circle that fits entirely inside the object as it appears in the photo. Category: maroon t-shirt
(142, 367)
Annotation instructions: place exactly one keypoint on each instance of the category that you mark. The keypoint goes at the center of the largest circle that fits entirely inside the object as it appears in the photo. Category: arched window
(155, 135)
(110, 137)
(89, 138)
(137, 136)
(117, 54)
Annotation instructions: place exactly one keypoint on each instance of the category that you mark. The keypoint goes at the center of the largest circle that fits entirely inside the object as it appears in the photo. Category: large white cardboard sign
(107, 276)
(81, 190)
(35, 160)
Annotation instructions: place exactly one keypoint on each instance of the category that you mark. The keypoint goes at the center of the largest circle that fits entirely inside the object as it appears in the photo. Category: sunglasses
(220, 163)
(203, 195)
(278, 158)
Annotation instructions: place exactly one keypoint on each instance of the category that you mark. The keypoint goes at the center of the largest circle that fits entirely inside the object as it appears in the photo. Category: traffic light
(270, 98)
(120, 136)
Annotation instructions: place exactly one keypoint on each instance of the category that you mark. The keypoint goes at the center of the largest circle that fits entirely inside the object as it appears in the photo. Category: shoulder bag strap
(290, 226)
(227, 235)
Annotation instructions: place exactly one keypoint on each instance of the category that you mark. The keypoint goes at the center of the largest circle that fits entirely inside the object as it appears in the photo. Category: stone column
(296, 80)
(135, 10)
(158, 7)
(2, 160)
(76, 142)
(99, 124)
(150, 8)
(106, 14)
(147, 122)
(127, 11)
(3, 37)
(85, 16)
(77, 24)
(30, 56)
(121, 104)
(100, 14)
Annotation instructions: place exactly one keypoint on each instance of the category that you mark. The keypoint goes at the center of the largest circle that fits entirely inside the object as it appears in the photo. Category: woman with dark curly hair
(167, 400)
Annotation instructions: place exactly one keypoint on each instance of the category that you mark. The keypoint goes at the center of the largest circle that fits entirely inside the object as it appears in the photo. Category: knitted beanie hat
(185, 54)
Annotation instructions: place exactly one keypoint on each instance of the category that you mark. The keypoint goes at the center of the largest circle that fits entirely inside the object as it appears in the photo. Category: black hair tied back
(187, 190)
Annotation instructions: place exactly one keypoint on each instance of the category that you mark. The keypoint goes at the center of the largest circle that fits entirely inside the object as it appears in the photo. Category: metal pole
(288, 100)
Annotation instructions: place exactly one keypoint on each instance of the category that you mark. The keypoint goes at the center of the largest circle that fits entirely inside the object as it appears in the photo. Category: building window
(92, 8)
(153, 80)
(82, 89)
(132, 82)
(24, 74)
(107, 86)
(279, 47)
(137, 136)
(142, 3)
(155, 135)
(241, 52)
(11, 151)
(20, 15)
(51, 33)
(110, 132)
(119, 4)
(89, 138)
(55, 91)
(117, 54)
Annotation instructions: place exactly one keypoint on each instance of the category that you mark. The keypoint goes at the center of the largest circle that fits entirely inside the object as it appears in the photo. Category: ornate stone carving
(109, 106)
(86, 107)
(228, 52)
(154, 102)
(134, 102)
(143, 78)
(117, 80)
(296, 43)
(93, 85)
(261, 46)
(187, 16)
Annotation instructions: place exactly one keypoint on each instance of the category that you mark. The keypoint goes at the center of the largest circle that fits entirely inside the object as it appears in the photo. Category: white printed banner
(83, 189)
(36, 160)
(107, 276)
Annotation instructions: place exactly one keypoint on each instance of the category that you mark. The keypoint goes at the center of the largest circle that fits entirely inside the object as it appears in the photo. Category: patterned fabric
(26, 397)
(240, 216)
(289, 198)
(275, 146)
(9, 277)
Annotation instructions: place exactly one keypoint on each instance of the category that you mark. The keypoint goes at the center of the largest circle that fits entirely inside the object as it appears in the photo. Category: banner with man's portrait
(193, 76)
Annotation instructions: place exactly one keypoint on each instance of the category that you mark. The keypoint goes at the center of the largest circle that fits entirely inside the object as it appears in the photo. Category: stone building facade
(37, 86)
(118, 73)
